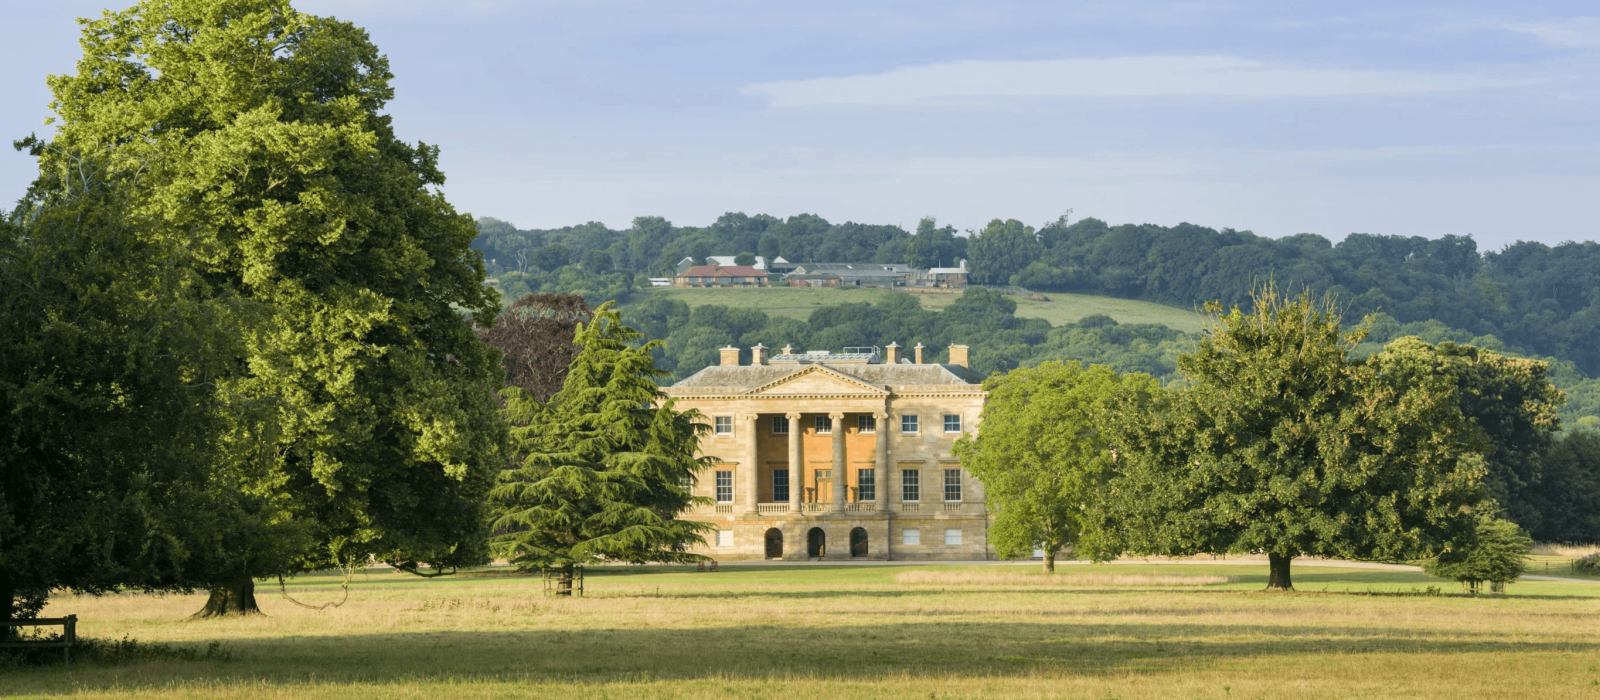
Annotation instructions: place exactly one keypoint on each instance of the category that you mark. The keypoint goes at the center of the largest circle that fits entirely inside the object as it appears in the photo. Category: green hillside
(798, 303)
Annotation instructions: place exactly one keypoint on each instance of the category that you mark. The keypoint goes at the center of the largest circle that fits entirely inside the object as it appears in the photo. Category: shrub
(1587, 565)
(1495, 555)
(88, 650)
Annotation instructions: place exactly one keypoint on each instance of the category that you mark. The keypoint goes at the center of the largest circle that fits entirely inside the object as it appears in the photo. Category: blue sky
(1278, 117)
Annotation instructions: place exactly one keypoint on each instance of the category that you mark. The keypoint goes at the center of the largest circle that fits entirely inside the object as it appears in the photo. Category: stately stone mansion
(838, 455)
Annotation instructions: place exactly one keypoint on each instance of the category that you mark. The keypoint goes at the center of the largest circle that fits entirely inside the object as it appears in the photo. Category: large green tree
(1287, 445)
(110, 417)
(1042, 452)
(1512, 400)
(259, 133)
(1002, 249)
(932, 246)
(605, 466)
(1567, 496)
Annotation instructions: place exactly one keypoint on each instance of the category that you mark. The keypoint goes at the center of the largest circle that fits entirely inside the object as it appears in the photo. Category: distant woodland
(1529, 297)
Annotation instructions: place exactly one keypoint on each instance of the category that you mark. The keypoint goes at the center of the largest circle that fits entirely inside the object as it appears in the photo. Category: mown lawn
(837, 632)
(795, 302)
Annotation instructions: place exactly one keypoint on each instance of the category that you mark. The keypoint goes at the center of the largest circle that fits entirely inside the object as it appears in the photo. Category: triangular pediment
(817, 380)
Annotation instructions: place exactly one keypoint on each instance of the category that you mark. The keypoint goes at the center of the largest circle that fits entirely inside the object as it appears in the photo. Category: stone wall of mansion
(838, 455)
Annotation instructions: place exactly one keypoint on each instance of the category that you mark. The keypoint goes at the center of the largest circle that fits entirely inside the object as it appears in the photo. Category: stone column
(797, 468)
(840, 483)
(752, 480)
(880, 470)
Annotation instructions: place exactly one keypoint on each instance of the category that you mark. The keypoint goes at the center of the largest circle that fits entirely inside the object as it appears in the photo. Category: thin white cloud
(1129, 76)
(1578, 31)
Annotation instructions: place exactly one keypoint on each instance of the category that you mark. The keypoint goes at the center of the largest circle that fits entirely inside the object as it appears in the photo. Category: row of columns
(880, 468)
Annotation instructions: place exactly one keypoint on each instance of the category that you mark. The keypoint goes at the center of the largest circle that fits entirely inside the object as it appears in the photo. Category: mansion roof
(742, 378)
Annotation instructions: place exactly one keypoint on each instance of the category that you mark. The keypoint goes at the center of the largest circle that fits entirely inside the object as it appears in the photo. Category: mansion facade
(821, 455)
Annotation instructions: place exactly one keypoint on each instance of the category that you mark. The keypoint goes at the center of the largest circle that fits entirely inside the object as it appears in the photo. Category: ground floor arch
(816, 543)
(774, 543)
(858, 542)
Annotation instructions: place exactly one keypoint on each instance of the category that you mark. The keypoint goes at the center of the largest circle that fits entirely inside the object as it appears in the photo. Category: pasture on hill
(1139, 630)
(799, 302)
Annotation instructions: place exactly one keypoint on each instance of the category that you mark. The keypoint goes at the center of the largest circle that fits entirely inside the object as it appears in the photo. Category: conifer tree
(606, 464)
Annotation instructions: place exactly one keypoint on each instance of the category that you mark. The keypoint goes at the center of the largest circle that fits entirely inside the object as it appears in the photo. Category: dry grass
(857, 632)
(977, 577)
(1570, 551)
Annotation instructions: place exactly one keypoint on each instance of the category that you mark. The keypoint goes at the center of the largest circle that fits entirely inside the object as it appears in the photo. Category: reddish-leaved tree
(535, 333)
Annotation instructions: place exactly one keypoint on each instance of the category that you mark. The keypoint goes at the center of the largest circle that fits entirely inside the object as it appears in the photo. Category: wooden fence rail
(69, 633)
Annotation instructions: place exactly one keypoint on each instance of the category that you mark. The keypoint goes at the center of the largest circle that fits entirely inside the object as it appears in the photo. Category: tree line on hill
(1545, 299)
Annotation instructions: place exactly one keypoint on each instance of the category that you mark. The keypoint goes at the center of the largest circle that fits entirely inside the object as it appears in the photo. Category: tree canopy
(1042, 452)
(1286, 444)
(259, 133)
(109, 354)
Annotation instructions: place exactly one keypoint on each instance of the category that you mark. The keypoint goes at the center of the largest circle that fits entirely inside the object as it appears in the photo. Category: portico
(811, 453)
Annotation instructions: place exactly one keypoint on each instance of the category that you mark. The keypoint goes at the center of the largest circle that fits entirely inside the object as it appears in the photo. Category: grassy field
(842, 632)
(798, 303)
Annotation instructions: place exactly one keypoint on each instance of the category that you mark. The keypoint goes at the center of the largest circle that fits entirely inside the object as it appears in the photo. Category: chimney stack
(730, 356)
(891, 354)
(958, 355)
(758, 354)
(788, 349)
(918, 351)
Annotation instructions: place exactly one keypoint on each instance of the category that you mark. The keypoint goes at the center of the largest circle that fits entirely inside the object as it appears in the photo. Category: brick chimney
(918, 351)
(758, 354)
(730, 356)
(891, 354)
(958, 355)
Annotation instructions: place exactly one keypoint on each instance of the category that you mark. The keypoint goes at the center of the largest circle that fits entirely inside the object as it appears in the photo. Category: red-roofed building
(719, 276)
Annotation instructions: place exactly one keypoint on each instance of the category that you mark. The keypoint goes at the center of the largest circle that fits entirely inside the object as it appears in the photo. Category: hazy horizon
(1405, 119)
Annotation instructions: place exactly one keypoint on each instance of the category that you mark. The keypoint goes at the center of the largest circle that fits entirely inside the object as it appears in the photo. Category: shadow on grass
(747, 582)
(1054, 593)
(927, 647)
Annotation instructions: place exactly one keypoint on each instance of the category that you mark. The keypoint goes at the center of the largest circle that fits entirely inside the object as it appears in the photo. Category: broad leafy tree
(1001, 250)
(259, 133)
(110, 416)
(1567, 497)
(1285, 444)
(1512, 400)
(606, 463)
(1042, 452)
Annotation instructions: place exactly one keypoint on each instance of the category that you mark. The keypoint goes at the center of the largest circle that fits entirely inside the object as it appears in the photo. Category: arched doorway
(816, 542)
(774, 543)
(858, 542)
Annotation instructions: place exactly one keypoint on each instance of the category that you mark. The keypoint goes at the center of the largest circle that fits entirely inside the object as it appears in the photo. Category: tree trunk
(1049, 560)
(564, 583)
(233, 598)
(1278, 579)
(8, 606)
